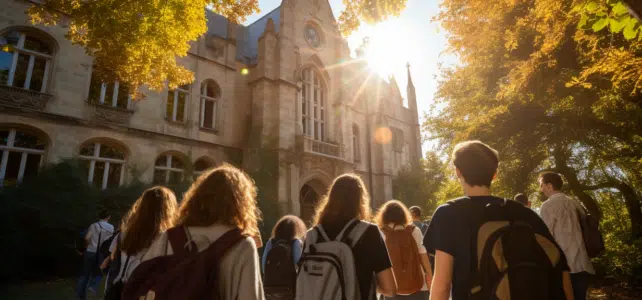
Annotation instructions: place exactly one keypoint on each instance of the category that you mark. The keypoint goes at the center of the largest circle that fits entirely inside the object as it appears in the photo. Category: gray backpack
(327, 269)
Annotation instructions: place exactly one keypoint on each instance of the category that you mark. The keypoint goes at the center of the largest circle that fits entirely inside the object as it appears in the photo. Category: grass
(60, 289)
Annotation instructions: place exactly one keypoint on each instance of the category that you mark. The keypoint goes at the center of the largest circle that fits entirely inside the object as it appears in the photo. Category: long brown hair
(346, 199)
(150, 215)
(395, 212)
(289, 227)
(223, 195)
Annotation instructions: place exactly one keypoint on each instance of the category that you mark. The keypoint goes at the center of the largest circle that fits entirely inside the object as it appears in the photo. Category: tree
(137, 42)
(418, 184)
(523, 87)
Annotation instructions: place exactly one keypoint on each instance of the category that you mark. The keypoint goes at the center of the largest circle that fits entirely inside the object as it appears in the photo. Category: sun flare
(389, 48)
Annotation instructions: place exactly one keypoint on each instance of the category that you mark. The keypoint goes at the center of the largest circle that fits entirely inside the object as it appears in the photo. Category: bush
(43, 217)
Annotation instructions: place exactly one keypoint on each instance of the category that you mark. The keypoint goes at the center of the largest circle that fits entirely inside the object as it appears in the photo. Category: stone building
(286, 82)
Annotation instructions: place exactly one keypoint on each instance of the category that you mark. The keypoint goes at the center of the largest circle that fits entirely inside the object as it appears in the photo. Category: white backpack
(327, 269)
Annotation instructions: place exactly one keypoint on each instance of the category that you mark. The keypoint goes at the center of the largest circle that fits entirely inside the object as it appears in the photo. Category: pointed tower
(414, 115)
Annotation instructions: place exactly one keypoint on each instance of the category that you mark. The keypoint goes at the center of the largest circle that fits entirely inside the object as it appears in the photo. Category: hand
(104, 264)
(428, 281)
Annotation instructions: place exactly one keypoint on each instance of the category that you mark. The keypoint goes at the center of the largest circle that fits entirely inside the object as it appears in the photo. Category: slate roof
(247, 37)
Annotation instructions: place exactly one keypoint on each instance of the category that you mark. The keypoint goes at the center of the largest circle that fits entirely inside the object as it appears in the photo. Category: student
(456, 226)
(560, 213)
(282, 253)
(409, 257)
(521, 198)
(345, 209)
(415, 213)
(220, 201)
(151, 215)
(96, 234)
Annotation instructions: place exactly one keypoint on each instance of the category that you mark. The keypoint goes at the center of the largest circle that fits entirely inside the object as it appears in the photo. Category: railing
(110, 114)
(315, 146)
(19, 97)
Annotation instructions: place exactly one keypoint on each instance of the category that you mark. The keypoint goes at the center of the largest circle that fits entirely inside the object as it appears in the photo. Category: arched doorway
(309, 197)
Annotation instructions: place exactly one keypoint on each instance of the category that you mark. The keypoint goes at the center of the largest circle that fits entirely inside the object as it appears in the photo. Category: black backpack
(103, 247)
(591, 234)
(509, 259)
(280, 271)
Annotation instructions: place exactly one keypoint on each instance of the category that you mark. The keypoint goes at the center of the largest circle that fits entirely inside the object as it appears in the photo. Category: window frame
(108, 161)
(114, 96)
(177, 91)
(9, 147)
(19, 49)
(215, 106)
(356, 144)
(167, 168)
(313, 112)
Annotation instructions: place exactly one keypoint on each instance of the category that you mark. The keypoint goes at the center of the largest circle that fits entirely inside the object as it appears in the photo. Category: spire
(410, 84)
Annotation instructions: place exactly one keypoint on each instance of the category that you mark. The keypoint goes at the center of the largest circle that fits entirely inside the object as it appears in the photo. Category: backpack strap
(321, 235)
(410, 228)
(177, 237)
(217, 249)
(345, 232)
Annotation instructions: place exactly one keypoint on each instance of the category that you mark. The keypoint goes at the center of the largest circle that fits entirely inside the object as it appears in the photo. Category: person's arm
(297, 251)
(106, 262)
(267, 249)
(548, 216)
(568, 286)
(425, 264)
(88, 234)
(386, 284)
(442, 279)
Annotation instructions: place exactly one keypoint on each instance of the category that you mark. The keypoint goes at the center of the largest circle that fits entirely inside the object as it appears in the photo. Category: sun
(389, 48)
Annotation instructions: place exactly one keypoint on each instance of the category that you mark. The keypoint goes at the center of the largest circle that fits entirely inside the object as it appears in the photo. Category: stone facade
(290, 67)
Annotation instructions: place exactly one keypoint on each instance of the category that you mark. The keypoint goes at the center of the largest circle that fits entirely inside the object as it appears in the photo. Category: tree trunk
(633, 207)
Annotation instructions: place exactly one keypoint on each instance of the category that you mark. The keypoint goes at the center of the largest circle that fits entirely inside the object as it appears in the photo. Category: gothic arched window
(169, 169)
(21, 151)
(104, 162)
(314, 105)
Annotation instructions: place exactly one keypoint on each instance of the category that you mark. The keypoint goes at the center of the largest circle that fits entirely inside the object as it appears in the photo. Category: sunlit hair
(347, 199)
(223, 195)
(394, 212)
(150, 215)
(289, 227)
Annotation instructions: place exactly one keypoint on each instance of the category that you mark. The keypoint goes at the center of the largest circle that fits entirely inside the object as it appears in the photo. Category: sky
(412, 37)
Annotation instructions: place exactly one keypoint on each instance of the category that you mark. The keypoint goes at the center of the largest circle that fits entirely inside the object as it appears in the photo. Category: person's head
(104, 215)
(550, 183)
(523, 199)
(415, 213)
(289, 227)
(393, 212)
(152, 213)
(475, 163)
(223, 195)
(346, 199)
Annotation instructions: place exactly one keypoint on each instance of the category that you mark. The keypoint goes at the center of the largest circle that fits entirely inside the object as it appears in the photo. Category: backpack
(591, 234)
(103, 248)
(509, 259)
(279, 265)
(186, 274)
(404, 256)
(326, 268)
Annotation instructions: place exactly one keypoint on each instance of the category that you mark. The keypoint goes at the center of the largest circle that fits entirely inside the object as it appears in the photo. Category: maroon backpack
(185, 275)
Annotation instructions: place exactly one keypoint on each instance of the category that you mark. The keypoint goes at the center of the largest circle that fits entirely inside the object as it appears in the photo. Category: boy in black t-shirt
(448, 235)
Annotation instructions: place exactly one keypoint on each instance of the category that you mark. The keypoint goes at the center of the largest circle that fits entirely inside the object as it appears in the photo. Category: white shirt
(559, 213)
(100, 228)
(419, 239)
(125, 271)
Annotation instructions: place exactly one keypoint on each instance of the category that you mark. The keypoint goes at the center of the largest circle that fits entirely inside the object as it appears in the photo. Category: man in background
(415, 212)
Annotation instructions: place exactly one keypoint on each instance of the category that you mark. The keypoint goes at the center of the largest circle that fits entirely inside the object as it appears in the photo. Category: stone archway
(309, 198)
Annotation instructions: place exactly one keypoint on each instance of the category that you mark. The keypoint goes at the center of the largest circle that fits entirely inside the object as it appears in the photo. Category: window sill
(105, 106)
(176, 123)
(210, 130)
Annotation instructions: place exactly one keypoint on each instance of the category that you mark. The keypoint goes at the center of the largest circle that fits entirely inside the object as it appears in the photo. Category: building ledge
(22, 98)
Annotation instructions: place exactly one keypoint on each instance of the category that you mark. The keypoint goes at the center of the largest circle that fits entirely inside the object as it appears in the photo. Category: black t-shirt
(449, 231)
(370, 255)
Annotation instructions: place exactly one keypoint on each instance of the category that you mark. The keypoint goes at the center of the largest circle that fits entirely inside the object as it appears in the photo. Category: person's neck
(472, 191)
(553, 193)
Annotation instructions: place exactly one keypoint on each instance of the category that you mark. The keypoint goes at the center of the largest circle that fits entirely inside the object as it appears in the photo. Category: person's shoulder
(451, 206)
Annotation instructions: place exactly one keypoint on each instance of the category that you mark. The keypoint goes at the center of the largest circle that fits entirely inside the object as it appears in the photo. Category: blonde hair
(151, 214)
(346, 199)
(393, 211)
(223, 195)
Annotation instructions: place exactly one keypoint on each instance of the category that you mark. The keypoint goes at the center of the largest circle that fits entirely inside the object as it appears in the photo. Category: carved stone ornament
(215, 44)
(314, 162)
(110, 114)
(21, 98)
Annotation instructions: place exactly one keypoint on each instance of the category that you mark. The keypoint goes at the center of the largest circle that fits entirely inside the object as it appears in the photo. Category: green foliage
(622, 256)
(418, 184)
(613, 13)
